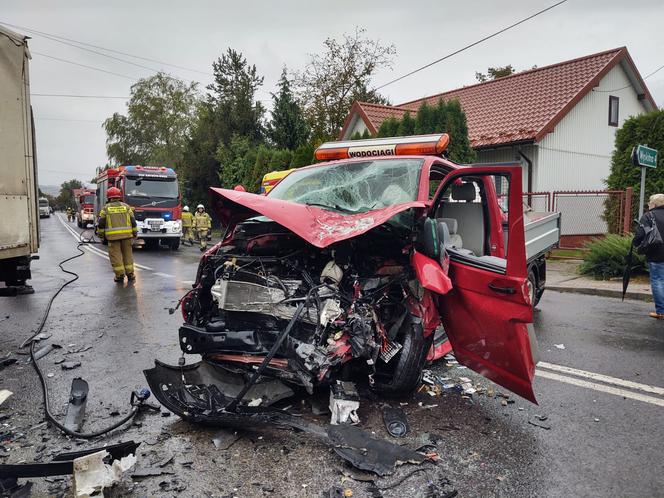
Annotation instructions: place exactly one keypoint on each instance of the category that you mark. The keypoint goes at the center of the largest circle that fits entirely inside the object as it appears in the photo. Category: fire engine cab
(154, 195)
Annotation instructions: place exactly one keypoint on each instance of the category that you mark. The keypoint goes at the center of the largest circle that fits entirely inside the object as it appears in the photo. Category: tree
(642, 129)
(406, 126)
(236, 161)
(303, 156)
(229, 110)
(493, 73)
(361, 136)
(287, 129)
(232, 97)
(159, 116)
(330, 82)
(65, 198)
(444, 117)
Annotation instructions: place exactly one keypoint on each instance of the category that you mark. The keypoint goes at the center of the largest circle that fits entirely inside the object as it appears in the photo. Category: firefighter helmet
(114, 193)
(200, 206)
(186, 208)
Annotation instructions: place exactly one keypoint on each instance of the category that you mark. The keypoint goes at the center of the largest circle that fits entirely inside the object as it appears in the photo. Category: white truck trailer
(19, 226)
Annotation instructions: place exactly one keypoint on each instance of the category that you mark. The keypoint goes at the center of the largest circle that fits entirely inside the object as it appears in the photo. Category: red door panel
(487, 312)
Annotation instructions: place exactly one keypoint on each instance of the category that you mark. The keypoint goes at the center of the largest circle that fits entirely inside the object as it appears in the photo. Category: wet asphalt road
(604, 435)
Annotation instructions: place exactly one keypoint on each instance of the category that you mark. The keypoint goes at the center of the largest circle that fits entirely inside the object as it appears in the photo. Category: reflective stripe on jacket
(117, 221)
(202, 221)
(187, 219)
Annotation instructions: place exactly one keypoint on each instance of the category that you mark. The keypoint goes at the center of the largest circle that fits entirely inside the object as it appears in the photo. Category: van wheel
(402, 374)
(175, 244)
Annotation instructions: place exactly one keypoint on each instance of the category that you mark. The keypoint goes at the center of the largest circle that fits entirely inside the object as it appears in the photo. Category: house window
(613, 110)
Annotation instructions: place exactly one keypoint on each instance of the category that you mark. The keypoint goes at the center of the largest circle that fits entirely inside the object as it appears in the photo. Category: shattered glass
(351, 188)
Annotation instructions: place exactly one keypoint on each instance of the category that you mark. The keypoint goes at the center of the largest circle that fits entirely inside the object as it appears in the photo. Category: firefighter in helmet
(70, 213)
(187, 226)
(202, 224)
(117, 224)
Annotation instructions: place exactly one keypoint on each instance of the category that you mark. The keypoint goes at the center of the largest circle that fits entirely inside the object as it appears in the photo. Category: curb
(590, 291)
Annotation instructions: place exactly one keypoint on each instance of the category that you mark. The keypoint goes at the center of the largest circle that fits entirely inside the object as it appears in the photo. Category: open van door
(488, 315)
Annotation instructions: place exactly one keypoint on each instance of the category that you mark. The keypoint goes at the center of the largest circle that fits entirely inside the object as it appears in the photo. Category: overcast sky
(191, 34)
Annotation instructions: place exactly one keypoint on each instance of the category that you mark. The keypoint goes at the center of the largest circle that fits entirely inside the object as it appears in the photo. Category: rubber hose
(40, 374)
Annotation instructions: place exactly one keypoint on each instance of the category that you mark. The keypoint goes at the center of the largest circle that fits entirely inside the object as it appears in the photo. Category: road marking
(166, 275)
(93, 249)
(603, 378)
(600, 387)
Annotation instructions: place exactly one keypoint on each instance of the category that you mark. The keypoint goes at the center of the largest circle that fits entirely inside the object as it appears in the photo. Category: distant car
(44, 208)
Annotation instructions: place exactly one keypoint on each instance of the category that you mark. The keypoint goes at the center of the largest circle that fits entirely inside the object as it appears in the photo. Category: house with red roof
(558, 121)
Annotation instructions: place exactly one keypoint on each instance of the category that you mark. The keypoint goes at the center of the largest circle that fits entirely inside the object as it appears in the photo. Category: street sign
(644, 156)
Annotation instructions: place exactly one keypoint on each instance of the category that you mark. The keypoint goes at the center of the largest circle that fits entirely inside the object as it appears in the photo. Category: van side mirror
(428, 241)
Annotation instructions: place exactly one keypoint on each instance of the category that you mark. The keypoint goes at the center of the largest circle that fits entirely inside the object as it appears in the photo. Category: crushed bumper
(198, 393)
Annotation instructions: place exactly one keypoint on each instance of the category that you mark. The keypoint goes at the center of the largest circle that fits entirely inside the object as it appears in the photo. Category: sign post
(644, 157)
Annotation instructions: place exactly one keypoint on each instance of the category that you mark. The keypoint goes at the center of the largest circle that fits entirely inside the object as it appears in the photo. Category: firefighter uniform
(70, 214)
(187, 227)
(116, 222)
(202, 225)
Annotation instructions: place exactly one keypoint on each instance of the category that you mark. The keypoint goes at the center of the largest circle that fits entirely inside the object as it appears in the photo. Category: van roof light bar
(416, 145)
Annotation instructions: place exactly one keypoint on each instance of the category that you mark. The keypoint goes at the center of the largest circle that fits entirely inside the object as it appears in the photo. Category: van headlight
(176, 226)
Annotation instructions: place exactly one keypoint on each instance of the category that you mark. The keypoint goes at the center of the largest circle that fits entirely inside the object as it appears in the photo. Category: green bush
(643, 129)
(605, 258)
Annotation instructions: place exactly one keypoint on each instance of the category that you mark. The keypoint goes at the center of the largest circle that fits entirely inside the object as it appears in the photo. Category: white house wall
(509, 154)
(356, 126)
(577, 154)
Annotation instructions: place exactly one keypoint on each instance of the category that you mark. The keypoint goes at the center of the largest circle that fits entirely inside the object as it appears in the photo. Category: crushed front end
(362, 308)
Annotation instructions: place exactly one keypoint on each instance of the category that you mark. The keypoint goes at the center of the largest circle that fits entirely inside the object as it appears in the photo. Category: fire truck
(85, 206)
(154, 195)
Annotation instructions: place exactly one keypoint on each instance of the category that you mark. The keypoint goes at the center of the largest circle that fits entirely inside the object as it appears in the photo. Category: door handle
(502, 290)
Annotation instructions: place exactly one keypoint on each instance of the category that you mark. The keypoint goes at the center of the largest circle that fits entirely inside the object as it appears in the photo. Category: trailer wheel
(533, 290)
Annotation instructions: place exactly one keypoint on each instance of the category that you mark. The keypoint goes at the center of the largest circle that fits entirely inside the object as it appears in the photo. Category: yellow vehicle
(272, 178)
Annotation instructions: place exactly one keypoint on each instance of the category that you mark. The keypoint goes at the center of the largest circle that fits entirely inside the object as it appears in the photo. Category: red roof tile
(521, 107)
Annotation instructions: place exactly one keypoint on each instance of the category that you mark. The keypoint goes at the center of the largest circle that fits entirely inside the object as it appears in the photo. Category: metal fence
(537, 201)
(592, 212)
(585, 214)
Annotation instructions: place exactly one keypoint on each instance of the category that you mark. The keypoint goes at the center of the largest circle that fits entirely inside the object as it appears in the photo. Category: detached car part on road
(357, 267)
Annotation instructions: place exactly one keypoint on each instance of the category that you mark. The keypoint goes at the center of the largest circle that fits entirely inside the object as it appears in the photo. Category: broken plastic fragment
(92, 475)
(560, 346)
(344, 402)
(395, 420)
(4, 395)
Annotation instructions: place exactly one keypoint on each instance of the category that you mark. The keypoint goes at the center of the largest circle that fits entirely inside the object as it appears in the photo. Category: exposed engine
(353, 305)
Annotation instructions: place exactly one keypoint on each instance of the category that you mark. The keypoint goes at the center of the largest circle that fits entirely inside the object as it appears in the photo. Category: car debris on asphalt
(395, 421)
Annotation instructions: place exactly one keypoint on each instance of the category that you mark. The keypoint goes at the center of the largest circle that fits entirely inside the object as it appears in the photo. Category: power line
(125, 61)
(628, 86)
(104, 48)
(472, 44)
(84, 65)
(74, 96)
(67, 119)
(99, 53)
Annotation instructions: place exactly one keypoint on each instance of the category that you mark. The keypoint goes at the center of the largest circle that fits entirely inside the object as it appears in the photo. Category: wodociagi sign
(644, 156)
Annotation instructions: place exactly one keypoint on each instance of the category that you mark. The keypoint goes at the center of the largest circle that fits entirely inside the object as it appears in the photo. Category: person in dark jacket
(655, 258)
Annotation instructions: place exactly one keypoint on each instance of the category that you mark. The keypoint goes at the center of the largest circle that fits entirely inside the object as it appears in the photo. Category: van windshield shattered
(355, 187)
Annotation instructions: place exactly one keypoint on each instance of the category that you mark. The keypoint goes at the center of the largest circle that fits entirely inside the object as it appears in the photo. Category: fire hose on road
(137, 399)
